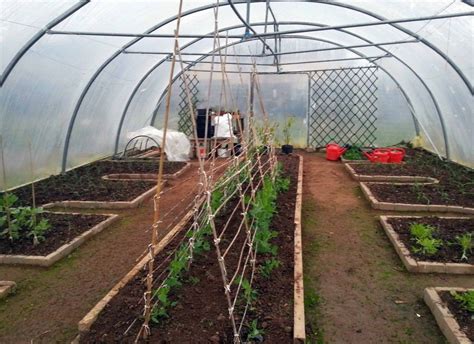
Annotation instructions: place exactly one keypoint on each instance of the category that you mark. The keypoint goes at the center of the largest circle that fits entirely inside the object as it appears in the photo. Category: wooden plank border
(445, 319)
(299, 331)
(376, 204)
(389, 178)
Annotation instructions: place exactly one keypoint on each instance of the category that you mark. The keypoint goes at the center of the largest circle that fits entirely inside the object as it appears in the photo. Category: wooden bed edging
(414, 265)
(145, 176)
(445, 319)
(389, 178)
(89, 319)
(376, 204)
(105, 204)
(6, 288)
(299, 332)
(62, 251)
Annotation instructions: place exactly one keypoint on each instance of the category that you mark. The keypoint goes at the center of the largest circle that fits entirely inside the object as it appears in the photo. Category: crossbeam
(261, 35)
(289, 63)
(365, 45)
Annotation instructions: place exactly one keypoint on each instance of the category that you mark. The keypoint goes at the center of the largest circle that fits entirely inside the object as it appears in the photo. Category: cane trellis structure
(184, 120)
(342, 107)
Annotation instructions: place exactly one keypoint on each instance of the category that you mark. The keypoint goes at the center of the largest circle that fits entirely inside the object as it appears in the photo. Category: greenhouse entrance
(342, 106)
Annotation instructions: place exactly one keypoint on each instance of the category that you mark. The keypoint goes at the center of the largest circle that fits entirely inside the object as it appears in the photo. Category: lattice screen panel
(342, 107)
(184, 122)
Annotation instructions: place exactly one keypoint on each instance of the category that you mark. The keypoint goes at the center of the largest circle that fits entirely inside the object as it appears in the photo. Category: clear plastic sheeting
(177, 146)
(73, 97)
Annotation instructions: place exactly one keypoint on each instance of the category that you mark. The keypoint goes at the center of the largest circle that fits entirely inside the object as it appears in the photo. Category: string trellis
(342, 106)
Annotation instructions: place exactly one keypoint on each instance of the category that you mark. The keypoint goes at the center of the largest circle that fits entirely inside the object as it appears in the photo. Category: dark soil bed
(456, 183)
(64, 228)
(446, 230)
(85, 183)
(201, 313)
(462, 316)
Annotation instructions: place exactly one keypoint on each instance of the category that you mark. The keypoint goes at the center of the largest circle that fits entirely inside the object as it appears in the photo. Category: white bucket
(223, 153)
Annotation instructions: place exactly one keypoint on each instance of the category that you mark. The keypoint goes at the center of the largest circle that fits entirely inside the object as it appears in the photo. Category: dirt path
(50, 302)
(352, 274)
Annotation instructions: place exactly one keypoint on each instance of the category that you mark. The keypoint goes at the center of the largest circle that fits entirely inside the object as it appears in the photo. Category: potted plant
(287, 148)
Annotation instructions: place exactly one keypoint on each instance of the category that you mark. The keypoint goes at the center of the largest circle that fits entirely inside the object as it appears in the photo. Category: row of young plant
(262, 211)
(19, 223)
(426, 242)
(197, 240)
(262, 208)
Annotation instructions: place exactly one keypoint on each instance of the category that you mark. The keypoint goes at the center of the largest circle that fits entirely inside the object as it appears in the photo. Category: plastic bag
(177, 146)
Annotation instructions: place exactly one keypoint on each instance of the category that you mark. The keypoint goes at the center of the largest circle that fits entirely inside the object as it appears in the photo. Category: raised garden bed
(402, 197)
(446, 258)
(201, 313)
(360, 175)
(6, 288)
(68, 231)
(85, 186)
(454, 320)
(455, 187)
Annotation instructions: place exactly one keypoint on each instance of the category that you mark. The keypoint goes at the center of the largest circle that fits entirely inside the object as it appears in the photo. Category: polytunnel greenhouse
(197, 171)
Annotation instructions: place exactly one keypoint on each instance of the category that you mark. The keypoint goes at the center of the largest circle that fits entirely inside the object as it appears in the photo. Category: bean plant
(21, 222)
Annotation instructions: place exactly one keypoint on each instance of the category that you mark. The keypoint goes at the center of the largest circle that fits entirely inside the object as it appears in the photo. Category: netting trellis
(342, 107)
(184, 119)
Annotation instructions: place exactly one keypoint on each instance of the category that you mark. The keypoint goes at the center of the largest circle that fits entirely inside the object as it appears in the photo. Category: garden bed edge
(376, 204)
(62, 251)
(414, 265)
(444, 318)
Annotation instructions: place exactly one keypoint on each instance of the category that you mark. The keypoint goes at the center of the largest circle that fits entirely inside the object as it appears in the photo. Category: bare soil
(201, 313)
(64, 228)
(446, 230)
(356, 288)
(85, 183)
(49, 303)
(462, 316)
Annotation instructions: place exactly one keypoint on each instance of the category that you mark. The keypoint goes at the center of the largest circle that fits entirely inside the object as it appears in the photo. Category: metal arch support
(287, 23)
(298, 37)
(408, 32)
(202, 8)
(104, 65)
(38, 36)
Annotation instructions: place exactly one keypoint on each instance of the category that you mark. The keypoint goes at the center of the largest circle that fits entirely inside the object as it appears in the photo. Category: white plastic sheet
(177, 146)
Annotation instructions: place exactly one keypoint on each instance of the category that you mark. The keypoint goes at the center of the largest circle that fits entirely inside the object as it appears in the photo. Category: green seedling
(466, 300)
(268, 266)
(255, 333)
(465, 241)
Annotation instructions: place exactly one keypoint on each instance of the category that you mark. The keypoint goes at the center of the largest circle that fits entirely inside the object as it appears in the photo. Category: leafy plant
(160, 311)
(268, 266)
(290, 121)
(421, 231)
(466, 299)
(254, 332)
(21, 221)
(465, 241)
(428, 246)
(250, 294)
(353, 153)
(424, 242)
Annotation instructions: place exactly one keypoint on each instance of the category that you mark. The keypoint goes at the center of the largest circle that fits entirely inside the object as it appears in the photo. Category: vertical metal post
(308, 110)
(247, 29)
